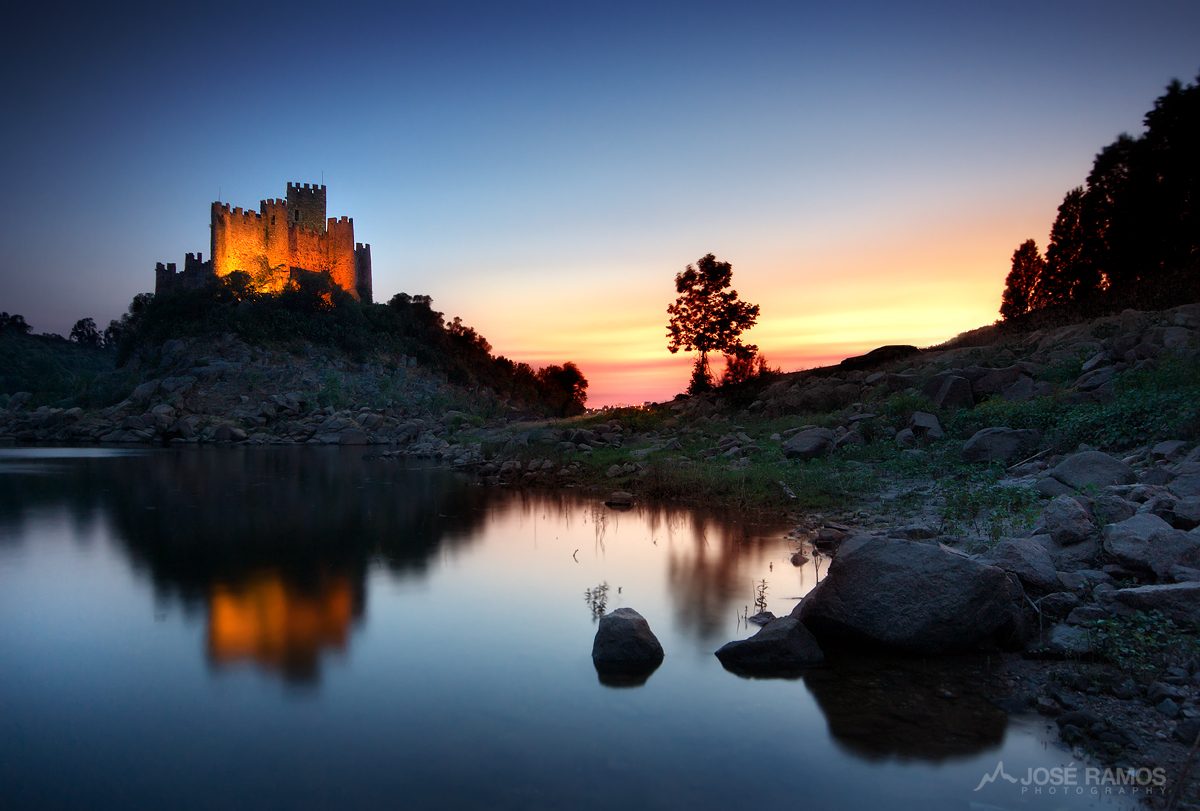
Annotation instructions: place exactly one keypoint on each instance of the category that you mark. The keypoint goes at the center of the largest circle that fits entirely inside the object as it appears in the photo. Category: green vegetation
(992, 510)
(1161, 402)
(56, 371)
(1144, 643)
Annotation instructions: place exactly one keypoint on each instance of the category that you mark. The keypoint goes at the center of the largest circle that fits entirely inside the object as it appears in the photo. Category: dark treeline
(313, 309)
(1131, 236)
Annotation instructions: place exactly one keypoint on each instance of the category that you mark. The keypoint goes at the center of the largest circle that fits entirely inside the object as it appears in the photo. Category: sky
(543, 170)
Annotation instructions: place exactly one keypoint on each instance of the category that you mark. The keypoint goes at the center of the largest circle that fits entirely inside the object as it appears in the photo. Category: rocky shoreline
(969, 509)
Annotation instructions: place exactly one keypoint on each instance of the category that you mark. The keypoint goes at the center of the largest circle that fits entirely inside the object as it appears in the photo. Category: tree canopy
(1131, 235)
(708, 316)
(84, 332)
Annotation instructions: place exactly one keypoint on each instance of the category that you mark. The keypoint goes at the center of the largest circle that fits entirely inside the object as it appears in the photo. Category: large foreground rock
(1092, 469)
(624, 643)
(1001, 445)
(783, 645)
(885, 593)
(1148, 543)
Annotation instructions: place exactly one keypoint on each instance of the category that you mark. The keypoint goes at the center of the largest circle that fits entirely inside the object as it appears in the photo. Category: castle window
(297, 216)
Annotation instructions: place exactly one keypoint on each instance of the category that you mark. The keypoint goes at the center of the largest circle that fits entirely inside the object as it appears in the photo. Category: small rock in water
(782, 647)
(619, 499)
(624, 643)
(761, 618)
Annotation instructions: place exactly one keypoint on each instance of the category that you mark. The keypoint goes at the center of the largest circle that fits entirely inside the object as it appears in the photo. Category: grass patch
(1147, 405)
(1145, 643)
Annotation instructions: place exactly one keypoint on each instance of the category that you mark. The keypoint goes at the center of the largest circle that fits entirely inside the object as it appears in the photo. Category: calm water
(309, 627)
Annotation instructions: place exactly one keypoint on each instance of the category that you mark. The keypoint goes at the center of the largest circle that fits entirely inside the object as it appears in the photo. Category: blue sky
(543, 169)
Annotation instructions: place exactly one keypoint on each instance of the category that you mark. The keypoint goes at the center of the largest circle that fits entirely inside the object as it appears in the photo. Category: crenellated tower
(306, 205)
(271, 244)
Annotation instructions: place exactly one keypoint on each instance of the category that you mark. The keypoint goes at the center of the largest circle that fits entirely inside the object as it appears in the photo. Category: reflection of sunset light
(275, 624)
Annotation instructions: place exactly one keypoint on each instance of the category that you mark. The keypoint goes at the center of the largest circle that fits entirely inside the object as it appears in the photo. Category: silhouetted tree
(564, 388)
(707, 316)
(744, 363)
(1111, 236)
(1021, 286)
(85, 333)
(15, 322)
(1064, 255)
(1131, 237)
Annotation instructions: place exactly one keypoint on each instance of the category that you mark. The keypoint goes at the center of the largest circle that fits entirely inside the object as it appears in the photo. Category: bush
(1144, 643)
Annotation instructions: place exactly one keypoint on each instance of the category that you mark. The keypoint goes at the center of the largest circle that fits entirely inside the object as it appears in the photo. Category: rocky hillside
(224, 390)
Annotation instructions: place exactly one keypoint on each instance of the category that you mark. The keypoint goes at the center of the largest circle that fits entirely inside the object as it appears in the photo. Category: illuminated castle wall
(283, 235)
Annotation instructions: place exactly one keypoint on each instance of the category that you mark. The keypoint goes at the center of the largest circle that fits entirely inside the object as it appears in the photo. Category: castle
(282, 237)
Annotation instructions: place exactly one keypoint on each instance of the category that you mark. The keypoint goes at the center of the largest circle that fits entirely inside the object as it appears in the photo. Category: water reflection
(908, 709)
(273, 545)
(426, 617)
(282, 625)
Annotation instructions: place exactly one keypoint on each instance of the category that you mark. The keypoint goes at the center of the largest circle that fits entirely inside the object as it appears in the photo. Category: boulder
(1029, 561)
(925, 426)
(1025, 388)
(353, 436)
(1069, 557)
(1001, 445)
(782, 646)
(1059, 604)
(144, 391)
(1145, 542)
(1170, 450)
(1067, 641)
(1066, 521)
(1187, 483)
(994, 381)
(1179, 602)
(1110, 508)
(809, 443)
(950, 392)
(625, 643)
(907, 596)
(1092, 469)
(228, 433)
(880, 356)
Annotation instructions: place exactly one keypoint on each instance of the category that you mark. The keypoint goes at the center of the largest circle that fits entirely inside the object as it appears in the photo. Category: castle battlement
(285, 234)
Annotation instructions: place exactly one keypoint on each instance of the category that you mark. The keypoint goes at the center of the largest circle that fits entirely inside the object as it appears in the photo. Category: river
(314, 627)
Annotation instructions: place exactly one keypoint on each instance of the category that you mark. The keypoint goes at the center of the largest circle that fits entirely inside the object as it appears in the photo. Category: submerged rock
(884, 593)
(619, 499)
(784, 645)
(624, 643)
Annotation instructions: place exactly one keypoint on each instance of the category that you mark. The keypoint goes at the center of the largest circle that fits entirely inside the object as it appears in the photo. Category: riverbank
(1066, 459)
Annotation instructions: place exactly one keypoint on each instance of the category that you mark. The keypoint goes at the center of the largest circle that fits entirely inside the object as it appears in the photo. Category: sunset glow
(543, 172)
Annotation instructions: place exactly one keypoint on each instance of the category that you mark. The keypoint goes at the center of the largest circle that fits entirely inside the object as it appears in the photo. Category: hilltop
(225, 363)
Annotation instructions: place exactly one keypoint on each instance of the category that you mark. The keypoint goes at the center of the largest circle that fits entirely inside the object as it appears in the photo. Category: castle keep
(283, 236)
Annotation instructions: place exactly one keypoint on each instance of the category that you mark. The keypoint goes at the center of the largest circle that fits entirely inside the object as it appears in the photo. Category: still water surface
(291, 628)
